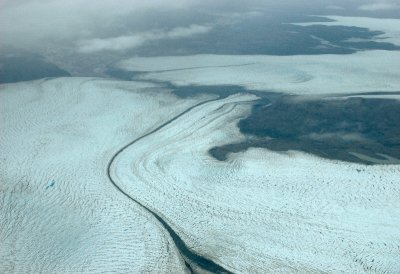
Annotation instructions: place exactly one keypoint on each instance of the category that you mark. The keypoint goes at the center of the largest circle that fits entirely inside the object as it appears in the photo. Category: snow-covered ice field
(300, 74)
(264, 211)
(363, 71)
(388, 26)
(257, 212)
(211, 161)
(59, 213)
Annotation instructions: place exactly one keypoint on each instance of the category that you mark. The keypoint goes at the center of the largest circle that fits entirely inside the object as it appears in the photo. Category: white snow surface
(257, 212)
(262, 211)
(367, 71)
(59, 213)
(390, 27)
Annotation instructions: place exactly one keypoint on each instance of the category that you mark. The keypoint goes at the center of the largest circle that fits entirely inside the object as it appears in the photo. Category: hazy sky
(24, 22)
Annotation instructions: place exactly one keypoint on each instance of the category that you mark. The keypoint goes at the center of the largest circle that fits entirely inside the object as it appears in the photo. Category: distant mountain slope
(24, 68)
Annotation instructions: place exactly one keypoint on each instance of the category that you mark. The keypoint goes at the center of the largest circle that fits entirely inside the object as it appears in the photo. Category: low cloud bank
(379, 6)
(31, 21)
(136, 40)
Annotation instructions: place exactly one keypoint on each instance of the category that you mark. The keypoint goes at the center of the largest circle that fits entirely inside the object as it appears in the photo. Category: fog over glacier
(190, 136)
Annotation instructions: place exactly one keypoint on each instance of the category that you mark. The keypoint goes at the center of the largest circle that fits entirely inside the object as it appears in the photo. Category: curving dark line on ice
(188, 255)
(194, 68)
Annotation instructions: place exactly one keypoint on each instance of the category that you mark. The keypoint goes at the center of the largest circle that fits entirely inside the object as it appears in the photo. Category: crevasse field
(108, 176)
(59, 211)
(282, 212)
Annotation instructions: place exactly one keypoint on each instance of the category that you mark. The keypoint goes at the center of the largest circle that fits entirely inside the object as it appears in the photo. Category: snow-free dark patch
(329, 128)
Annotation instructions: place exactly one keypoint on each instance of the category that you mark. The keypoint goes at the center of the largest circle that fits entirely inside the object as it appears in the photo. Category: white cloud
(138, 39)
(379, 6)
(31, 21)
(189, 31)
(334, 7)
